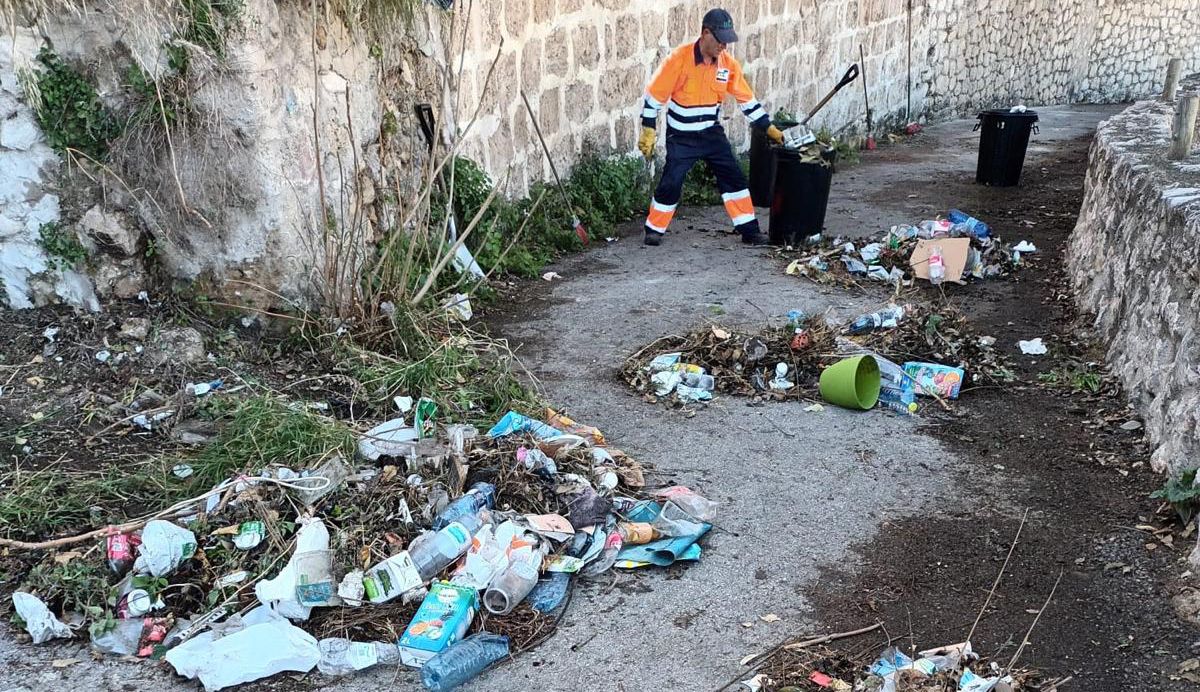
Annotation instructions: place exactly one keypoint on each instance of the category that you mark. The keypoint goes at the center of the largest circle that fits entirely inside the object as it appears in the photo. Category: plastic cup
(853, 383)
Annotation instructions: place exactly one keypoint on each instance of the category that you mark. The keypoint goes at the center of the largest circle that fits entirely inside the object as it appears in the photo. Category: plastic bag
(691, 502)
(164, 547)
(40, 623)
(306, 580)
(266, 646)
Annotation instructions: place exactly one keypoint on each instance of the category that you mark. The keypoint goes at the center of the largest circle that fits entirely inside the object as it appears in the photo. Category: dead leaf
(64, 662)
(751, 657)
(720, 333)
(747, 625)
(64, 558)
(770, 617)
(1189, 665)
(35, 382)
(1151, 546)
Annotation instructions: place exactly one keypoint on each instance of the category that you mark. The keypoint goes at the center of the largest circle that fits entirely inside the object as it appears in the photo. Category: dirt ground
(1026, 446)
(831, 521)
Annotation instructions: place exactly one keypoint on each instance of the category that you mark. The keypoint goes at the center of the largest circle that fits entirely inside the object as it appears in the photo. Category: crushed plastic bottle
(343, 657)
(463, 661)
(549, 592)
(976, 227)
(434, 551)
(480, 496)
(937, 266)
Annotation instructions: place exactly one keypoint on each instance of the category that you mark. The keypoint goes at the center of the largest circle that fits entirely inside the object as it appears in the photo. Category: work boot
(653, 238)
(755, 238)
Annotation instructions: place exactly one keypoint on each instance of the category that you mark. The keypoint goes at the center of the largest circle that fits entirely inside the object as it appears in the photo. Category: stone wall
(1134, 260)
(238, 197)
(584, 63)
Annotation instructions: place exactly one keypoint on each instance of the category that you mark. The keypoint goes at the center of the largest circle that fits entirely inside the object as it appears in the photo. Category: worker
(691, 84)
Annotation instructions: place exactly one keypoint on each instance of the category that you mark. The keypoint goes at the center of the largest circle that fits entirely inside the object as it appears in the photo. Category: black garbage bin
(1003, 139)
(800, 197)
(762, 168)
(762, 163)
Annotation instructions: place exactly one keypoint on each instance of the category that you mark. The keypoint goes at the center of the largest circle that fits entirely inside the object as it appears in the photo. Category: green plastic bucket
(852, 383)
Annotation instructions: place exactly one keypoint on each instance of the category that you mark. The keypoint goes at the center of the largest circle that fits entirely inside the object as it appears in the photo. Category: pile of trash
(774, 363)
(956, 249)
(919, 350)
(954, 667)
(386, 559)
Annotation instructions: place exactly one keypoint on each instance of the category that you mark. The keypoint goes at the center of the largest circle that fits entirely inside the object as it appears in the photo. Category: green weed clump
(1182, 493)
(264, 430)
(69, 110)
(64, 247)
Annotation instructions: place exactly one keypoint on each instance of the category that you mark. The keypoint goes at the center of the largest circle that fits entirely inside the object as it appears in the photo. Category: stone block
(585, 46)
(580, 102)
(110, 232)
(531, 65)
(557, 54)
(20, 132)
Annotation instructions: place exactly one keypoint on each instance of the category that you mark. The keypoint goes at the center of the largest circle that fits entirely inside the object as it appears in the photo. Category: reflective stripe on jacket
(692, 91)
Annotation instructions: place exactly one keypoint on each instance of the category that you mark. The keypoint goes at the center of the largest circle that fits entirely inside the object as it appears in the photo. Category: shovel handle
(850, 76)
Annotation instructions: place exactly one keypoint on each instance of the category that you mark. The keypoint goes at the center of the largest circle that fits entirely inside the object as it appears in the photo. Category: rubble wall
(235, 195)
(584, 63)
(1134, 261)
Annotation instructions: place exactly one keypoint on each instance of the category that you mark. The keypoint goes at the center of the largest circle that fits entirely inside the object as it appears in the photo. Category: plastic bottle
(480, 495)
(549, 592)
(937, 266)
(512, 585)
(433, 551)
(978, 228)
(343, 657)
(697, 381)
(884, 319)
(463, 661)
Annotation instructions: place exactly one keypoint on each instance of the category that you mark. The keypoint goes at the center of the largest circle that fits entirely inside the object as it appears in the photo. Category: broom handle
(546, 149)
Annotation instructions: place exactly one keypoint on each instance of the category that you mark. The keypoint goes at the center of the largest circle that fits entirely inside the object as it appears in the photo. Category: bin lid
(1007, 113)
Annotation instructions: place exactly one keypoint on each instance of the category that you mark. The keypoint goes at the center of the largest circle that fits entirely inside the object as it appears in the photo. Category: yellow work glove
(646, 142)
(775, 134)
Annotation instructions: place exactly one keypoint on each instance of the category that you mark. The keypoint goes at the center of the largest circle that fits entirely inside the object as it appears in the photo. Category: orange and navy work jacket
(692, 91)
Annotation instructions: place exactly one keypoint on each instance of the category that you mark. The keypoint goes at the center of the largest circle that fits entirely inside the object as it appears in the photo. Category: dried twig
(999, 576)
(1025, 641)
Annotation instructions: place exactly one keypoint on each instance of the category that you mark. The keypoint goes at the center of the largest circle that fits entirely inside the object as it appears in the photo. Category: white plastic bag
(164, 547)
(267, 645)
(40, 623)
(307, 579)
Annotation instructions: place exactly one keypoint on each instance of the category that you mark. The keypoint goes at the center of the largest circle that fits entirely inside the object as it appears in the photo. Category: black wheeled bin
(800, 197)
(1003, 139)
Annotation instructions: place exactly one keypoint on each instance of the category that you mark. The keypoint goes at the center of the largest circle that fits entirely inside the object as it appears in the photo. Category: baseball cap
(721, 24)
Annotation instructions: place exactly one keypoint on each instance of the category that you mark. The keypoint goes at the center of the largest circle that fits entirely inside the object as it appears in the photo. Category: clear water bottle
(434, 551)
(937, 266)
(480, 496)
(463, 661)
(884, 319)
(977, 228)
(343, 657)
(512, 585)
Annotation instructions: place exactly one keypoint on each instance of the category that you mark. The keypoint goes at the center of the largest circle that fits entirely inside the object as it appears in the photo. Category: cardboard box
(442, 620)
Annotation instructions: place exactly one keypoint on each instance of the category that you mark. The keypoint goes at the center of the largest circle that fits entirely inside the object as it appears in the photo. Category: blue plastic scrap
(513, 422)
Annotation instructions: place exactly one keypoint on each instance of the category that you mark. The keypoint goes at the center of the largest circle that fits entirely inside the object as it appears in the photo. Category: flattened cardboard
(954, 256)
